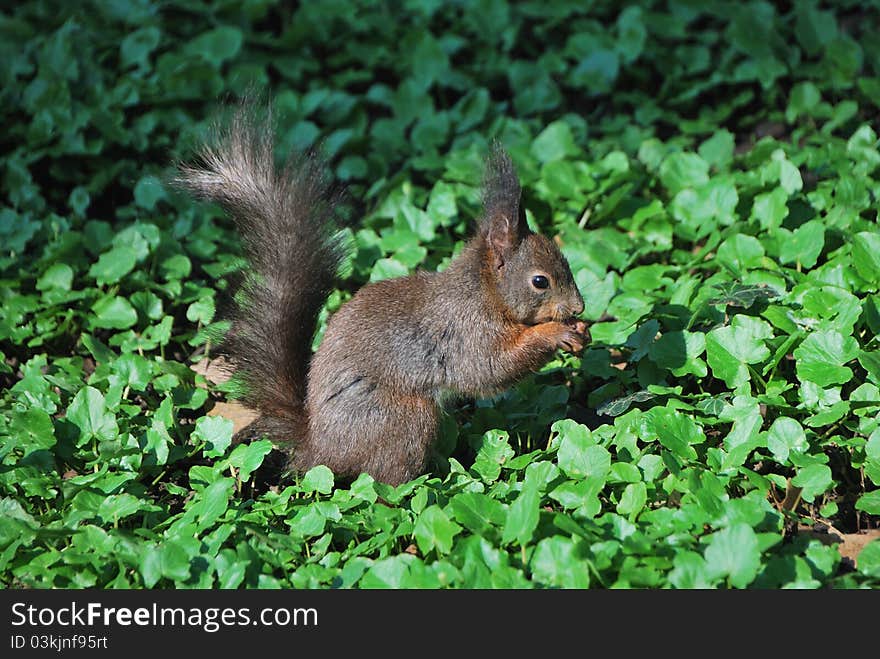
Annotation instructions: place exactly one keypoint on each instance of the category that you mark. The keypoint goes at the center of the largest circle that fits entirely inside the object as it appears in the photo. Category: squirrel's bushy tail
(286, 221)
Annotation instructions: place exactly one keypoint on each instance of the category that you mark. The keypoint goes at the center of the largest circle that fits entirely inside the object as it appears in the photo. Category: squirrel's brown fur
(368, 400)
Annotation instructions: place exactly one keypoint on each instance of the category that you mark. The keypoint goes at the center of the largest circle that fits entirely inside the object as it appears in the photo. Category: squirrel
(369, 399)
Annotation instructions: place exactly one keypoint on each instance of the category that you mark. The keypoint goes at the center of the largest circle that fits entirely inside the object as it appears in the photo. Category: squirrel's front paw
(573, 337)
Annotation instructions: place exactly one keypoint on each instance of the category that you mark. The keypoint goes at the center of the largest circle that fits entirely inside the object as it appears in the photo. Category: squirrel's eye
(540, 282)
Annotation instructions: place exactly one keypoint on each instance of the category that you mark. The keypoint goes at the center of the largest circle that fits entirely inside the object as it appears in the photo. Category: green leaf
(682, 170)
(690, 571)
(230, 572)
(351, 167)
(441, 204)
(633, 499)
(148, 191)
(804, 244)
(201, 311)
(79, 200)
(555, 142)
(431, 131)
(173, 560)
(868, 560)
(866, 256)
(814, 28)
(632, 33)
(822, 355)
(617, 406)
(137, 46)
(364, 488)
(560, 562)
(743, 436)
(597, 70)
(479, 513)
(541, 473)
(870, 87)
(113, 312)
(522, 517)
(533, 87)
(32, 429)
(624, 472)
(88, 412)
(388, 269)
(248, 457)
(58, 276)
(388, 572)
(15, 523)
(158, 442)
(434, 530)
(770, 208)
(814, 479)
(789, 177)
(741, 253)
(175, 267)
(135, 371)
(734, 553)
(212, 502)
(872, 446)
(493, 452)
(802, 101)
(318, 479)
(581, 495)
(784, 437)
(118, 506)
(700, 210)
(151, 565)
(679, 352)
(675, 431)
(216, 433)
(148, 304)
(580, 456)
(839, 307)
(98, 350)
(470, 109)
(730, 349)
(870, 361)
(308, 522)
(738, 295)
(217, 45)
(430, 63)
(869, 502)
(718, 149)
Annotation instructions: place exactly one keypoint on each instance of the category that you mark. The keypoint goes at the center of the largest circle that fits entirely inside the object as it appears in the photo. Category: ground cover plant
(709, 169)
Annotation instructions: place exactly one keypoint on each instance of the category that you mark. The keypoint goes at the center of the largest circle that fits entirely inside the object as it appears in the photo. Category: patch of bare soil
(240, 415)
(848, 544)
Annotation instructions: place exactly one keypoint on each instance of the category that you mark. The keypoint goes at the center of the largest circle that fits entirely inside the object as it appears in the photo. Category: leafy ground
(711, 170)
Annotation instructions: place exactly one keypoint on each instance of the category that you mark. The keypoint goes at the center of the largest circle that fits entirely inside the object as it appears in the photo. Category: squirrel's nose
(578, 308)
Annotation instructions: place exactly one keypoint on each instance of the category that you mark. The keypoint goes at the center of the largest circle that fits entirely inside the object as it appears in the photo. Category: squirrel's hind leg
(382, 432)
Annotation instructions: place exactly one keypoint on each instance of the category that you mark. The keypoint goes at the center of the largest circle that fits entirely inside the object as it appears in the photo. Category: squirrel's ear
(503, 224)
